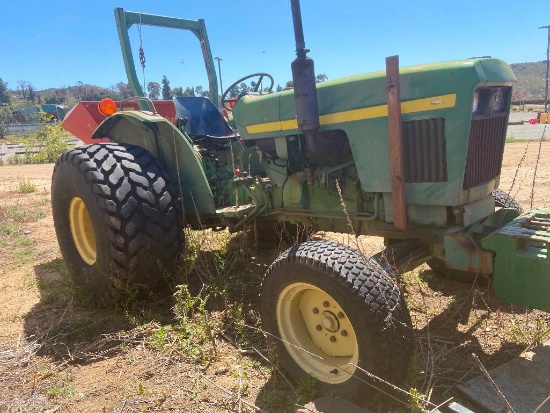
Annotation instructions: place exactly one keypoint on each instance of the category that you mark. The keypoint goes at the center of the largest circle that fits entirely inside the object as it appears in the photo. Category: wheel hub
(82, 231)
(330, 322)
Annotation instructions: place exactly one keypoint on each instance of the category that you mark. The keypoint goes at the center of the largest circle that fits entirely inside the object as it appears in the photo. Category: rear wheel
(331, 313)
(502, 200)
(117, 219)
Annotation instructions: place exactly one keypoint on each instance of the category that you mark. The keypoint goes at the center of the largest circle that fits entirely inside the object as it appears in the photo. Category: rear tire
(502, 200)
(118, 220)
(343, 310)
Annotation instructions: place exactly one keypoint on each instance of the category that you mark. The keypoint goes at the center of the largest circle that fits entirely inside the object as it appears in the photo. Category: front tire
(117, 219)
(331, 312)
(504, 200)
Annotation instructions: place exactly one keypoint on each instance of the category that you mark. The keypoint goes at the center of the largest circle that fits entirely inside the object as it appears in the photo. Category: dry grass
(204, 350)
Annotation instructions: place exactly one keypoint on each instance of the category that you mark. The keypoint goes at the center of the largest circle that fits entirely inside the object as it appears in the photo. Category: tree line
(163, 90)
(69, 95)
(156, 91)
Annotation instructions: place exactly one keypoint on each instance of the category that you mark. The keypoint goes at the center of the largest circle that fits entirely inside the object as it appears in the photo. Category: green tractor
(412, 155)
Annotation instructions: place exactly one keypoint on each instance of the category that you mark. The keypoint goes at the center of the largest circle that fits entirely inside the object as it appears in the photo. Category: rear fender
(171, 147)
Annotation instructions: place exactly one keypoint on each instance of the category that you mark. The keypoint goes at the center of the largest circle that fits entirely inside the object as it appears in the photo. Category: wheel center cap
(330, 321)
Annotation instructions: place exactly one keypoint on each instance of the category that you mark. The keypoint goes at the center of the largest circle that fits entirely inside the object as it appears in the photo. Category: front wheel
(117, 219)
(332, 313)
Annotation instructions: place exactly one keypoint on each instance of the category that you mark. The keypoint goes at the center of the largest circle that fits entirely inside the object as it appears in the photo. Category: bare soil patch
(59, 353)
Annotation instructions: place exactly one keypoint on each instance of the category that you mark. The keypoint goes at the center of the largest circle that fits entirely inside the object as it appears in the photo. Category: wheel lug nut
(344, 333)
(326, 304)
(315, 311)
(319, 327)
(332, 338)
(340, 315)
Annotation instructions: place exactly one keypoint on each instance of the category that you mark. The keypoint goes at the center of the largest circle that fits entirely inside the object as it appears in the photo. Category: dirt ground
(58, 354)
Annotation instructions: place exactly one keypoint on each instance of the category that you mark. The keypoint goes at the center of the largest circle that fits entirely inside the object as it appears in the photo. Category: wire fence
(23, 130)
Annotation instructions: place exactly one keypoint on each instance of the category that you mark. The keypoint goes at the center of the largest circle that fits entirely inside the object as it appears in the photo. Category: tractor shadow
(65, 324)
(472, 320)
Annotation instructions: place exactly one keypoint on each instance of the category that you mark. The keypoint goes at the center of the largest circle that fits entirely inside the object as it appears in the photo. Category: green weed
(60, 391)
(141, 389)
(7, 228)
(306, 390)
(23, 255)
(27, 187)
(528, 334)
(417, 401)
(158, 339)
(276, 400)
(15, 213)
(280, 399)
(36, 215)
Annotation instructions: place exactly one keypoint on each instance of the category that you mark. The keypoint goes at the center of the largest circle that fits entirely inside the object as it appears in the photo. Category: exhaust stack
(303, 78)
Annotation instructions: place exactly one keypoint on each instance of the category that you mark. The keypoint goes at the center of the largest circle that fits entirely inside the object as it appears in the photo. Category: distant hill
(530, 77)
(68, 95)
(530, 84)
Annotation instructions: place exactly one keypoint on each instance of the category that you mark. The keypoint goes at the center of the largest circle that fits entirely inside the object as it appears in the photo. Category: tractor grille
(424, 154)
(485, 150)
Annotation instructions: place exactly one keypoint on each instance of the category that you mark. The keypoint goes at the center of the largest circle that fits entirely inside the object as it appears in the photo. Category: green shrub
(46, 145)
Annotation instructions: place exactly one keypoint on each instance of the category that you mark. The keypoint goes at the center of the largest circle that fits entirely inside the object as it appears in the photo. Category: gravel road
(526, 131)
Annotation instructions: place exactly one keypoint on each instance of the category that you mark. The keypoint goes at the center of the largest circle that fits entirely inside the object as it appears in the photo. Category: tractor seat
(199, 117)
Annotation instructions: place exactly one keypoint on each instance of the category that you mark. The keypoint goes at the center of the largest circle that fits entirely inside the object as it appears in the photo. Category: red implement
(84, 118)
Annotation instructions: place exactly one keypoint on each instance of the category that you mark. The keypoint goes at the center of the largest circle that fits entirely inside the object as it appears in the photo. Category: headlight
(496, 102)
(475, 104)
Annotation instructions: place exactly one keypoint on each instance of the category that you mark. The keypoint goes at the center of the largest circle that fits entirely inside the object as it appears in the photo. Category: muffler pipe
(303, 78)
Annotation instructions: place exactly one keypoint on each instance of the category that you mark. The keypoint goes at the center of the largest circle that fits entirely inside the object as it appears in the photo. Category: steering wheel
(229, 103)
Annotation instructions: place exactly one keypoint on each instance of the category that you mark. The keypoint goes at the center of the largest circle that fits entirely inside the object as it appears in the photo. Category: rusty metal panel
(396, 143)
(463, 252)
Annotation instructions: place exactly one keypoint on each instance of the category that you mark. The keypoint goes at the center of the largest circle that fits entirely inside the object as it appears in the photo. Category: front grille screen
(424, 154)
(485, 150)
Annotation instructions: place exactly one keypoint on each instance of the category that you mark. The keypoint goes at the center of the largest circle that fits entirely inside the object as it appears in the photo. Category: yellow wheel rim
(317, 333)
(82, 231)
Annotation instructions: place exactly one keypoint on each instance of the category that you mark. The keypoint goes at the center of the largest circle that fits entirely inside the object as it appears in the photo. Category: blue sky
(57, 43)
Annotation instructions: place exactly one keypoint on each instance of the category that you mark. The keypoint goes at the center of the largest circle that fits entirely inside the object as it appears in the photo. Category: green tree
(166, 88)
(23, 84)
(178, 91)
(124, 90)
(189, 91)
(56, 98)
(290, 83)
(6, 116)
(31, 92)
(4, 95)
(199, 91)
(320, 78)
(154, 90)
